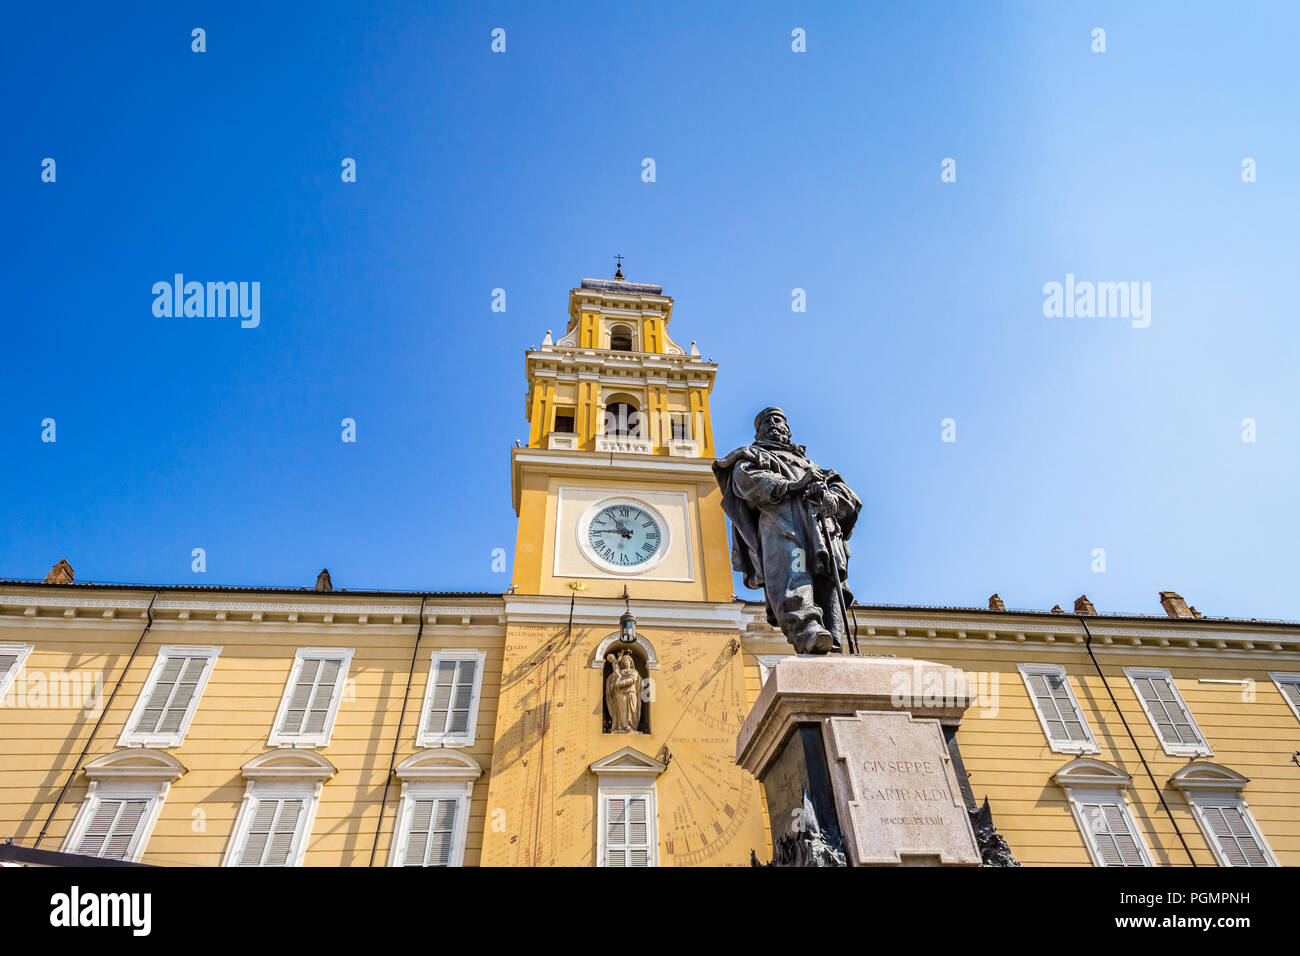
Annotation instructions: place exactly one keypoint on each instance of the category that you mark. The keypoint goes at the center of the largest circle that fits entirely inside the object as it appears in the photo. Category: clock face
(623, 535)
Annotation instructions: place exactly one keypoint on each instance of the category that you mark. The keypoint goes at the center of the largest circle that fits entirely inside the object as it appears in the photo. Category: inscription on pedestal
(897, 793)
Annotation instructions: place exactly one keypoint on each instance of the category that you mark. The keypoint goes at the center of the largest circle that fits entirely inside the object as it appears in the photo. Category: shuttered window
(113, 828)
(170, 697)
(1231, 830)
(12, 657)
(1110, 831)
(1057, 708)
(273, 831)
(432, 832)
(1170, 717)
(1289, 686)
(311, 698)
(627, 830)
(451, 699)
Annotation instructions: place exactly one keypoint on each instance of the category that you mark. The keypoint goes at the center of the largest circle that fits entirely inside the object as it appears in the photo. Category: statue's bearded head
(770, 425)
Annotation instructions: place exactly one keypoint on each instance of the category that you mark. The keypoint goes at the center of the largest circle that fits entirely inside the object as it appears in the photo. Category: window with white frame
(1097, 793)
(627, 827)
(12, 658)
(627, 812)
(1288, 686)
(311, 698)
(1216, 795)
(450, 712)
(1057, 708)
(1231, 830)
(171, 695)
(433, 811)
(1108, 826)
(429, 834)
(1164, 706)
(275, 829)
(275, 819)
(126, 794)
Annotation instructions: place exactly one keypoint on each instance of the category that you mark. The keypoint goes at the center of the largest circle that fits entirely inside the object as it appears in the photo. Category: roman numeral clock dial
(624, 536)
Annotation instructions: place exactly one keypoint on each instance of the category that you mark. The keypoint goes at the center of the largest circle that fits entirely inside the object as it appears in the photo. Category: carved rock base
(852, 757)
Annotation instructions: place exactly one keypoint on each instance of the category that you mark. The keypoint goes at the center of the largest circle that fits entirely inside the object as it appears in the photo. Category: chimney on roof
(1083, 606)
(996, 603)
(61, 573)
(323, 582)
(1175, 606)
(1056, 609)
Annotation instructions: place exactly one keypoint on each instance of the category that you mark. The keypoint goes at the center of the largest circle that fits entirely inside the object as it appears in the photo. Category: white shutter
(12, 658)
(1166, 710)
(444, 677)
(1112, 833)
(1058, 711)
(616, 831)
(1233, 833)
(432, 832)
(638, 830)
(463, 698)
(1290, 689)
(273, 827)
(451, 699)
(310, 698)
(171, 695)
(112, 828)
(628, 830)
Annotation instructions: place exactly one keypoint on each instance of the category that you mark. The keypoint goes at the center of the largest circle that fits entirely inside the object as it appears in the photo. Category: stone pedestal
(853, 758)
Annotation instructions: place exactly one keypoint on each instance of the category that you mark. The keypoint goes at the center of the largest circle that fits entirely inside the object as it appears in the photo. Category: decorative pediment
(629, 761)
(1089, 772)
(287, 763)
(439, 763)
(136, 763)
(1202, 775)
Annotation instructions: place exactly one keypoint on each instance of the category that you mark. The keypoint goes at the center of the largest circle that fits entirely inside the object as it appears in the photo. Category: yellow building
(224, 726)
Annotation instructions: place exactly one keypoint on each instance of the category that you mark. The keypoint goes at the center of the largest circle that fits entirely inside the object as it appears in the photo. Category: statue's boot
(814, 640)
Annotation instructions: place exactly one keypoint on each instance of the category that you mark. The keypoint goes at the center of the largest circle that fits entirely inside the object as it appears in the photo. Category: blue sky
(775, 170)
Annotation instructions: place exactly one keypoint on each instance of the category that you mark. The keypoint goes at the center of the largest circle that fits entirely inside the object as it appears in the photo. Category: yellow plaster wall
(39, 745)
(710, 811)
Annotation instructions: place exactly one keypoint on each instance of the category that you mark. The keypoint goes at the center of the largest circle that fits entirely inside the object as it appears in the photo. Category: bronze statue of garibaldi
(790, 524)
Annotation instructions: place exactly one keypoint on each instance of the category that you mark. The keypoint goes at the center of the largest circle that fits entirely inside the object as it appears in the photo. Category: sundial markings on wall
(711, 796)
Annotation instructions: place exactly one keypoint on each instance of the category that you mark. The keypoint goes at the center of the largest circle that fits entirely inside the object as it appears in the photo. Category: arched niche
(605, 646)
(617, 652)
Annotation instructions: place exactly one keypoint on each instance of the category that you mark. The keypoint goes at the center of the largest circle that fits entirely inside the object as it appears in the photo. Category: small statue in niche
(623, 693)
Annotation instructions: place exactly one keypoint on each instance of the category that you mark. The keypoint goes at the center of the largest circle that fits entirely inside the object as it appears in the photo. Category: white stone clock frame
(584, 525)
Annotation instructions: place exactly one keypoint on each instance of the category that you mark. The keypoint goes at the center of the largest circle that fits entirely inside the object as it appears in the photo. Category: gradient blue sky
(775, 170)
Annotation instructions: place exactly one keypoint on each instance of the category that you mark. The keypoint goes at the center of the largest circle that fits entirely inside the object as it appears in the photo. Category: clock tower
(615, 488)
(616, 495)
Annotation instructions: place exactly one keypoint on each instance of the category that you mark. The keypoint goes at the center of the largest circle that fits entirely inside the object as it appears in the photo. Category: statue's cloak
(746, 542)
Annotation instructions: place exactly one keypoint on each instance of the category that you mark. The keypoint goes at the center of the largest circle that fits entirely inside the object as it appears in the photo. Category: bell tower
(616, 487)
